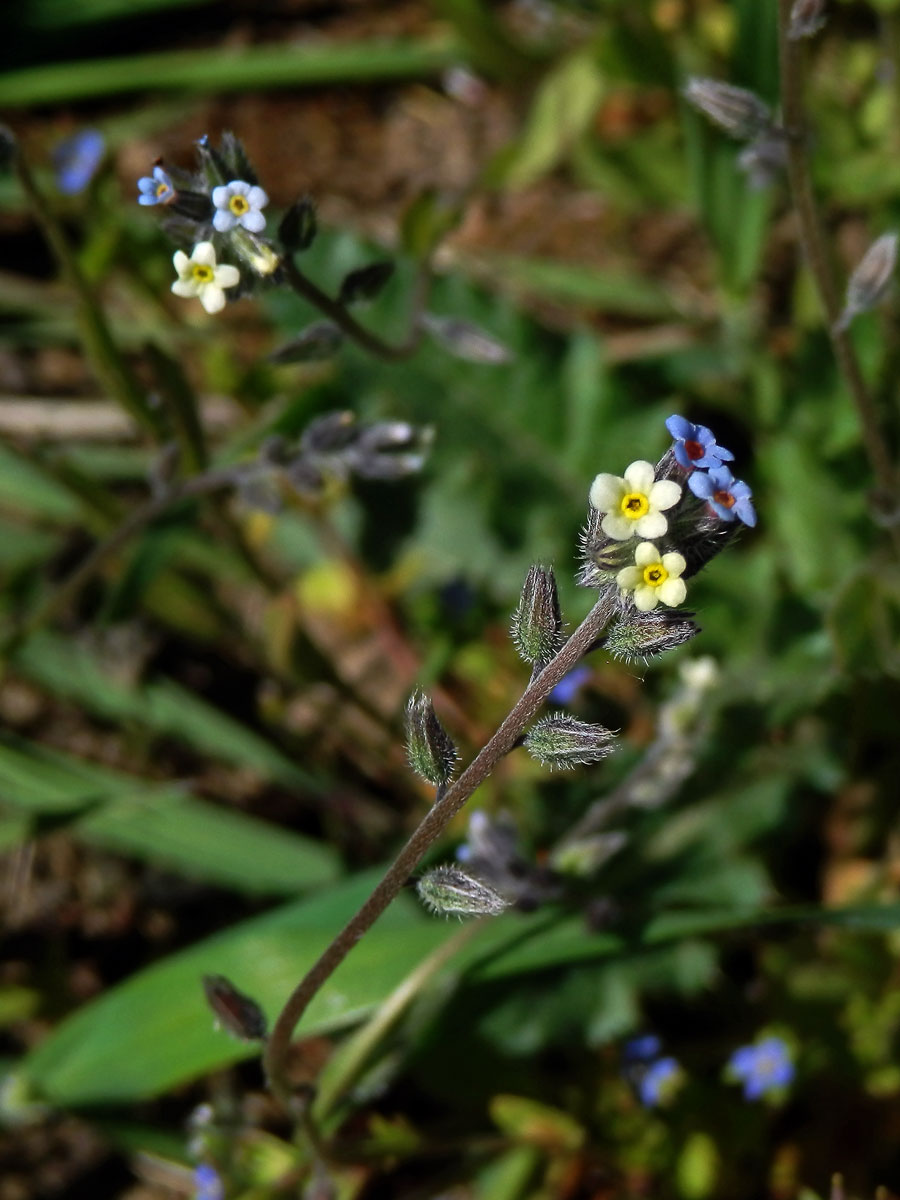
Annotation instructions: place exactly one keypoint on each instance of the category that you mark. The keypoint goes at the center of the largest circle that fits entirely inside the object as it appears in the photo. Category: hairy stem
(812, 238)
(441, 813)
(389, 352)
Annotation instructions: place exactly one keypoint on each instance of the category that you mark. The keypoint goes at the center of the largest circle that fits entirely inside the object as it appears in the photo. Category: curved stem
(441, 813)
(812, 238)
(390, 352)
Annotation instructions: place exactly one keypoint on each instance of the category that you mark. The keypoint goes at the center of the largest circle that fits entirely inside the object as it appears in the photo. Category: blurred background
(202, 765)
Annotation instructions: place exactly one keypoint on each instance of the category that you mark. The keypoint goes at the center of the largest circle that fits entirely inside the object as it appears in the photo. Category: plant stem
(363, 337)
(812, 238)
(441, 813)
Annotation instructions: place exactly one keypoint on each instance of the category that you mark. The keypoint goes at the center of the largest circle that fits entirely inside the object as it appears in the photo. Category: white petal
(204, 253)
(646, 554)
(257, 198)
(651, 525)
(182, 262)
(629, 578)
(220, 196)
(607, 492)
(227, 276)
(239, 187)
(254, 221)
(617, 527)
(645, 599)
(674, 564)
(212, 298)
(672, 592)
(224, 220)
(639, 477)
(186, 288)
(664, 494)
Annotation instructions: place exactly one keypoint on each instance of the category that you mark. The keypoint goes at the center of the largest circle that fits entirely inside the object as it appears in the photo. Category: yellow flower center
(202, 273)
(634, 505)
(162, 189)
(239, 205)
(655, 574)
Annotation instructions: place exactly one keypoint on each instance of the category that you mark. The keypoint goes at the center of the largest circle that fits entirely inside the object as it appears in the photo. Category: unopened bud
(298, 226)
(255, 252)
(235, 1012)
(870, 280)
(806, 19)
(318, 341)
(430, 751)
(740, 113)
(537, 623)
(638, 637)
(764, 159)
(562, 741)
(464, 340)
(450, 891)
(365, 283)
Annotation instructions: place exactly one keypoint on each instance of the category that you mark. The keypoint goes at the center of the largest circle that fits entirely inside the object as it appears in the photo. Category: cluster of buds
(747, 118)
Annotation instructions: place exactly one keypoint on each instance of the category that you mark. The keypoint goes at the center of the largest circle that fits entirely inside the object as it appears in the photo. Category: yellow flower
(654, 577)
(633, 504)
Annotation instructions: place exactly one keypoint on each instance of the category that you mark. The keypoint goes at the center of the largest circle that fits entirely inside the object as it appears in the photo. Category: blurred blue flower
(208, 1183)
(569, 686)
(762, 1067)
(156, 188)
(642, 1048)
(76, 160)
(695, 445)
(659, 1083)
(726, 496)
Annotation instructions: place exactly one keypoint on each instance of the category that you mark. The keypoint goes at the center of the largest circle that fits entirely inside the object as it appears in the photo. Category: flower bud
(298, 226)
(640, 636)
(365, 283)
(318, 341)
(430, 751)
(739, 112)
(448, 890)
(255, 251)
(806, 19)
(869, 281)
(537, 623)
(562, 741)
(464, 340)
(235, 1012)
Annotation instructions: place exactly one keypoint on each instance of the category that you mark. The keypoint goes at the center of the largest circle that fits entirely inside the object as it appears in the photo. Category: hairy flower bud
(562, 741)
(870, 279)
(807, 18)
(365, 282)
(235, 1012)
(464, 340)
(430, 751)
(320, 340)
(298, 226)
(537, 623)
(640, 636)
(740, 113)
(448, 890)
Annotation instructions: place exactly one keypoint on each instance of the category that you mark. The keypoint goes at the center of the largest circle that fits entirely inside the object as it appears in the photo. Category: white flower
(633, 504)
(199, 276)
(239, 203)
(654, 577)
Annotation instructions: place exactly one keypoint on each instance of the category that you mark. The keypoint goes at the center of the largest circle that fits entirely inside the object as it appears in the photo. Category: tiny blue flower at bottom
(762, 1068)
(208, 1183)
(729, 498)
(659, 1083)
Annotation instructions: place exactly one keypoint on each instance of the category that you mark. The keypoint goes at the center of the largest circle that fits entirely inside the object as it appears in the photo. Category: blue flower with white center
(659, 1083)
(208, 1183)
(239, 203)
(157, 188)
(695, 445)
(762, 1068)
(76, 160)
(729, 498)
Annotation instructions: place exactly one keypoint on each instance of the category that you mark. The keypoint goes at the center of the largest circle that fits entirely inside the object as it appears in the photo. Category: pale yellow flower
(654, 577)
(633, 504)
(200, 277)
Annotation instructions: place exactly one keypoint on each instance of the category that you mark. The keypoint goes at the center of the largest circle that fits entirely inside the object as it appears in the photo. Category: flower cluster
(655, 1077)
(218, 211)
(745, 117)
(765, 1069)
(650, 502)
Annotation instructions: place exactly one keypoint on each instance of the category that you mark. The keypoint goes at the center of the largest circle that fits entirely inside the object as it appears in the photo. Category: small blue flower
(76, 160)
(659, 1083)
(570, 685)
(726, 496)
(762, 1067)
(208, 1183)
(157, 188)
(642, 1049)
(239, 203)
(695, 445)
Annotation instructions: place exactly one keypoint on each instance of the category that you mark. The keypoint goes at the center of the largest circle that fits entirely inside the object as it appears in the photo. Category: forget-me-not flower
(729, 498)
(157, 188)
(208, 1183)
(654, 577)
(76, 160)
(762, 1067)
(634, 503)
(570, 685)
(659, 1082)
(200, 276)
(239, 203)
(695, 445)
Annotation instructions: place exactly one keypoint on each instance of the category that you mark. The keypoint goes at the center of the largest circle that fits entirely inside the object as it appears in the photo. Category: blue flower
(157, 188)
(208, 1183)
(726, 496)
(239, 203)
(642, 1048)
(762, 1067)
(695, 445)
(569, 686)
(659, 1083)
(76, 160)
